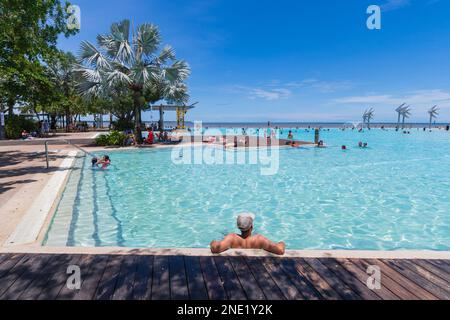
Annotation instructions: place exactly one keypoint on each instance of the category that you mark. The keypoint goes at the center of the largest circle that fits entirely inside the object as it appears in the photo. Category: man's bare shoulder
(259, 237)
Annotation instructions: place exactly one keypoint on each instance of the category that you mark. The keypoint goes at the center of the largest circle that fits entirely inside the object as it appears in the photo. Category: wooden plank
(213, 282)
(444, 264)
(85, 264)
(7, 265)
(325, 290)
(40, 282)
(443, 274)
(107, 284)
(282, 280)
(59, 278)
(161, 278)
(15, 272)
(265, 281)
(178, 279)
(143, 279)
(384, 293)
(419, 279)
(196, 282)
(91, 279)
(247, 279)
(30, 271)
(4, 257)
(425, 273)
(339, 286)
(354, 283)
(386, 281)
(301, 283)
(403, 281)
(125, 281)
(230, 280)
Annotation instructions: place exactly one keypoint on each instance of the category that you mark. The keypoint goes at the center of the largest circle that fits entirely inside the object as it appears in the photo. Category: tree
(29, 31)
(399, 110)
(433, 112)
(136, 63)
(406, 113)
(60, 71)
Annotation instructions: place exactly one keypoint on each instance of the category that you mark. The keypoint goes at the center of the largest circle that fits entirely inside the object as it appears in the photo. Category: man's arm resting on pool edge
(272, 247)
(222, 246)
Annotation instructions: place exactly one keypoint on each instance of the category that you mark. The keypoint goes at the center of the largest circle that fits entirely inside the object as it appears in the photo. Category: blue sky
(298, 60)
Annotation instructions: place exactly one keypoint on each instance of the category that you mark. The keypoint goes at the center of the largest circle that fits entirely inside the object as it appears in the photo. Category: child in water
(104, 162)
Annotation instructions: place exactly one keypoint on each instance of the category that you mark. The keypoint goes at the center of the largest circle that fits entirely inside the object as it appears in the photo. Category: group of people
(361, 145)
(162, 136)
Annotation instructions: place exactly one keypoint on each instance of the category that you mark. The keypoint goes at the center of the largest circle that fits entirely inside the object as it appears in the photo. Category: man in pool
(246, 240)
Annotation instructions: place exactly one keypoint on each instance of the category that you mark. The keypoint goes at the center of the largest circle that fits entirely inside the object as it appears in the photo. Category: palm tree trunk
(431, 120)
(137, 97)
(161, 120)
(398, 121)
(403, 123)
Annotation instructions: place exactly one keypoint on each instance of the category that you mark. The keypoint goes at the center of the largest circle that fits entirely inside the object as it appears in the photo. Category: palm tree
(364, 117)
(406, 113)
(433, 112)
(369, 116)
(136, 63)
(399, 110)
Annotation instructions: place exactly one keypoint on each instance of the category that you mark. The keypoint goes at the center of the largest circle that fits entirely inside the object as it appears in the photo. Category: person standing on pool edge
(246, 240)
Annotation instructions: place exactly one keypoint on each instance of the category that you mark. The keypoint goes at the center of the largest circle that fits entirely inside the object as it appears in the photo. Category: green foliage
(29, 31)
(102, 140)
(16, 124)
(123, 124)
(114, 138)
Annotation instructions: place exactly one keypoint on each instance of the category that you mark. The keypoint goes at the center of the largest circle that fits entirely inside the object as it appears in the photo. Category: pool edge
(340, 254)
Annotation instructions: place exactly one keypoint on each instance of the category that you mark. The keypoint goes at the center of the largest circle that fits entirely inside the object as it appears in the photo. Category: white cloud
(391, 5)
(419, 98)
(272, 94)
(321, 86)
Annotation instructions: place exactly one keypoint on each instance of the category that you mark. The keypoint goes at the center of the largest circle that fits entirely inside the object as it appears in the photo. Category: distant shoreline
(172, 124)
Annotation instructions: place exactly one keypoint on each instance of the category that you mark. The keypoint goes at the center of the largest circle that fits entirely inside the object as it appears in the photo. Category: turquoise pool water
(393, 195)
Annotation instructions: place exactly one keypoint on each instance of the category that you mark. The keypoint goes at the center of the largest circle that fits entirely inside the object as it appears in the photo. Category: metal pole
(46, 154)
(2, 126)
(316, 136)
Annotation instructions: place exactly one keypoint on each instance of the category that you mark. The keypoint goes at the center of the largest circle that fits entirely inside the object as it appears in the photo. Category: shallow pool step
(108, 227)
(59, 228)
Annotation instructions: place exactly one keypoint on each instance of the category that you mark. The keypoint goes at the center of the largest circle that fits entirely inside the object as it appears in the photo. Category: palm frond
(116, 77)
(167, 53)
(178, 71)
(90, 55)
(146, 40)
(176, 93)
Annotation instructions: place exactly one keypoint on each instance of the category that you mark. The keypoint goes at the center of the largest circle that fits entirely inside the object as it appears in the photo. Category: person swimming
(344, 147)
(290, 135)
(246, 240)
(105, 162)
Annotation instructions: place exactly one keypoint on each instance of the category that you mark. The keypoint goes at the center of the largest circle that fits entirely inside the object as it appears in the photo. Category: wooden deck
(43, 276)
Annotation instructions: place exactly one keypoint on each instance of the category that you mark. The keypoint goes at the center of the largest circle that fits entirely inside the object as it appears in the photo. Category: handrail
(69, 143)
